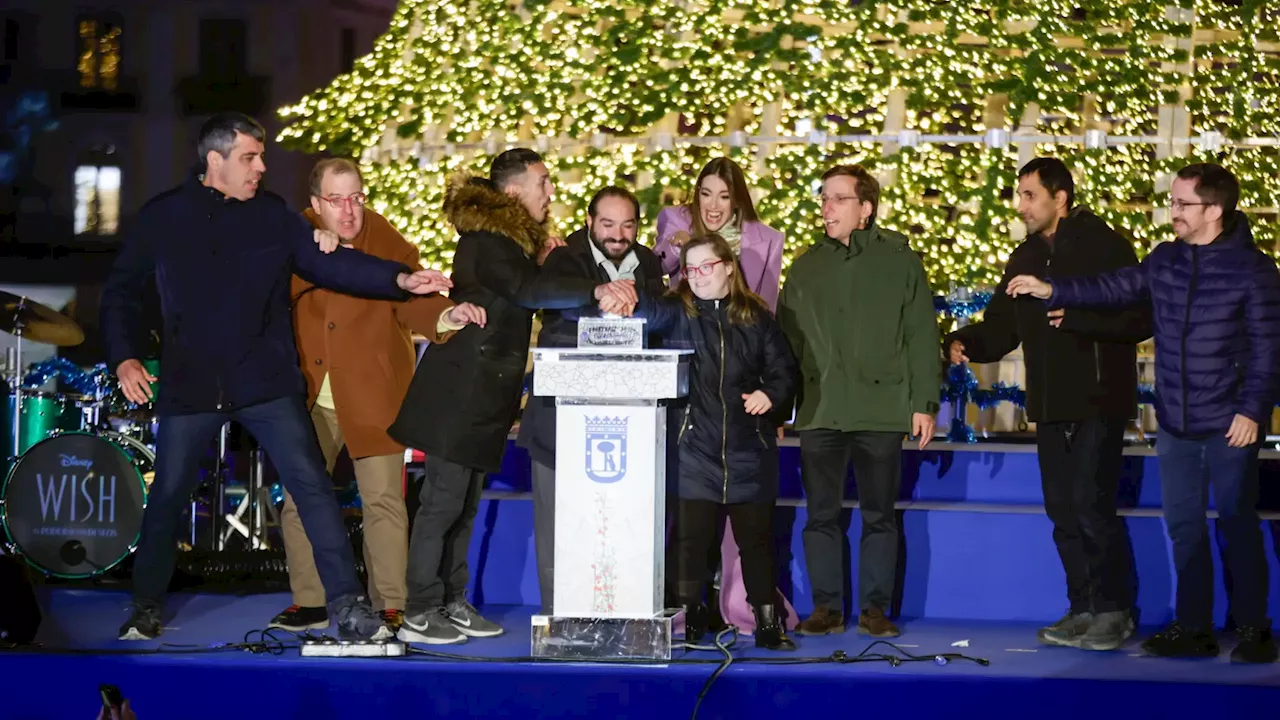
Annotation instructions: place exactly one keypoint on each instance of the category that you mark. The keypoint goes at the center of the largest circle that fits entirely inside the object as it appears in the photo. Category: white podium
(610, 529)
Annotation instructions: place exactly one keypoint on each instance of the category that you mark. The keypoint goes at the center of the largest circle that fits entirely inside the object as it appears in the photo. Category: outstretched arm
(1121, 287)
(506, 272)
(663, 314)
(1126, 324)
(345, 270)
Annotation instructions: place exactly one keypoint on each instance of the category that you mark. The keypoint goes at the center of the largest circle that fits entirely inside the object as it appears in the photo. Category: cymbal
(39, 323)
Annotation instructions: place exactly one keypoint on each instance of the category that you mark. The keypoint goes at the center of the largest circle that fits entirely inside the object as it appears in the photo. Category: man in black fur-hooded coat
(465, 394)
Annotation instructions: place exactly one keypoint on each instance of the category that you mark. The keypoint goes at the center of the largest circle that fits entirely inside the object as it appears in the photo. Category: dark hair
(615, 192)
(744, 305)
(337, 166)
(865, 186)
(218, 134)
(1215, 185)
(739, 194)
(1053, 175)
(510, 165)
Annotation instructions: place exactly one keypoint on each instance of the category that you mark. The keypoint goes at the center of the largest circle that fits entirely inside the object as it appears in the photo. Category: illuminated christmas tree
(643, 93)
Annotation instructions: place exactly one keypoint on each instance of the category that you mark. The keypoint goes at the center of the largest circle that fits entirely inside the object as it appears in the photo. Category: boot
(769, 632)
(696, 622)
(715, 620)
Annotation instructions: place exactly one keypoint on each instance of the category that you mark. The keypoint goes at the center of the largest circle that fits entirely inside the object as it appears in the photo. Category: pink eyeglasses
(701, 270)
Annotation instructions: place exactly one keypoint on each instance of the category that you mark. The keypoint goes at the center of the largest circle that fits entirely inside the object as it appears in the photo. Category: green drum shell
(43, 413)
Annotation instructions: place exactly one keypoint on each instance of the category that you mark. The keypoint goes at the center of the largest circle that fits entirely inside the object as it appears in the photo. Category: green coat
(860, 320)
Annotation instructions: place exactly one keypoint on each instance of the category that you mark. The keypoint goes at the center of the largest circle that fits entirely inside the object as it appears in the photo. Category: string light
(450, 78)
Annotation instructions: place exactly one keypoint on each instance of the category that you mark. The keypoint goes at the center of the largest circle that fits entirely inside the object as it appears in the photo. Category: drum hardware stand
(19, 324)
(221, 470)
(257, 503)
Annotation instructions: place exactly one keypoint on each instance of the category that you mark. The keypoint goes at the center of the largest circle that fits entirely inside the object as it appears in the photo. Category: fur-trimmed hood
(472, 204)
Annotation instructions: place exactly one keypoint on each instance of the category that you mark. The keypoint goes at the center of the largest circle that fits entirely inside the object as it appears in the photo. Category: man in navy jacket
(221, 256)
(1216, 306)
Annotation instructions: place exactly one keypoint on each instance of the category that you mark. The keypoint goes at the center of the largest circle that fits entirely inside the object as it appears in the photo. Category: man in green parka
(858, 311)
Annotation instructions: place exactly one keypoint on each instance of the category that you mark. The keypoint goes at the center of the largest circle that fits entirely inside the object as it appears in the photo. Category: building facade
(100, 105)
(101, 101)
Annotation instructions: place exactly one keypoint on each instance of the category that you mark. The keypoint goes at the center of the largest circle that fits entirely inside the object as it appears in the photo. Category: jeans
(877, 468)
(441, 536)
(1080, 466)
(1188, 469)
(283, 428)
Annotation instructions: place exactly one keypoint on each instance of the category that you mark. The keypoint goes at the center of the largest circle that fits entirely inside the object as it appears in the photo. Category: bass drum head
(73, 503)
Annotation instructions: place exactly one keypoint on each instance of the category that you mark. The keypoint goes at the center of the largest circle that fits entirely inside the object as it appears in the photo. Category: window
(98, 53)
(97, 199)
(223, 49)
(9, 45)
(348, 50)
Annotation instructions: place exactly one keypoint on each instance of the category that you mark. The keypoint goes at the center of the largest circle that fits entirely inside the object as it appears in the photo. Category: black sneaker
(1179, 641)
(143, 624)
(1256, 646)
(296, 618)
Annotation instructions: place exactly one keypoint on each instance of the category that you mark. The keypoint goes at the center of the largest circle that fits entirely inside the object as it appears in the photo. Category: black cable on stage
(271, 641)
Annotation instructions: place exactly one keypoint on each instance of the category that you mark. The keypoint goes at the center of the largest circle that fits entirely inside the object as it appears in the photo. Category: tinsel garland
(961, 304)
(72, 376)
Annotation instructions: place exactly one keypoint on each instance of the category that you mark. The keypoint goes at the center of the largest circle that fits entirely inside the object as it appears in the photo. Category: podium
(610, 527)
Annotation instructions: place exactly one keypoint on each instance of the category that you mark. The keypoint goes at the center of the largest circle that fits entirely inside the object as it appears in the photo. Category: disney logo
(73, 461)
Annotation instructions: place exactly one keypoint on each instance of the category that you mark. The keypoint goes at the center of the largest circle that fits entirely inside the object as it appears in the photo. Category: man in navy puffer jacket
(1216, 305)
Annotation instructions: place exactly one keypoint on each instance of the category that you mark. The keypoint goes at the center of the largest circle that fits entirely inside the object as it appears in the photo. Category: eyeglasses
(836, 199)
(702, 270)
(337, 203)
(1182, 205)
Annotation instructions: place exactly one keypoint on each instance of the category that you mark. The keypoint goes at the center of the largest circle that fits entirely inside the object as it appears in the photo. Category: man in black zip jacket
(220, 254)
(603, 251)
(1081, 370)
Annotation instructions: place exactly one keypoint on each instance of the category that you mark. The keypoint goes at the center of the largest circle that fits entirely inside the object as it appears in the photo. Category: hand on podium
(618, 297)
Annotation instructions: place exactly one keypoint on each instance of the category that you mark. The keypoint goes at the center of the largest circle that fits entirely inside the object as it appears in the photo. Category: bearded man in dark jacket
(603, 251)
(1081, 392)
(1216, 317)
(465, 394)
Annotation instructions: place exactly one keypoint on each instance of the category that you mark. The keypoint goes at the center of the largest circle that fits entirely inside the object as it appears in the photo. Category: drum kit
(78, 465)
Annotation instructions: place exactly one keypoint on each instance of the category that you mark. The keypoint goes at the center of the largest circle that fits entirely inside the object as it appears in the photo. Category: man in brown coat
(358, 358)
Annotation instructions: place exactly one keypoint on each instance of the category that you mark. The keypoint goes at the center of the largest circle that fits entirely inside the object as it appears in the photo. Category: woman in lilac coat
(721, 203)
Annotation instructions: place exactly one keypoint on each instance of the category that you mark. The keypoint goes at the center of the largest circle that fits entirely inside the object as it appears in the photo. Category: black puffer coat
(726, 455)
(465, 393)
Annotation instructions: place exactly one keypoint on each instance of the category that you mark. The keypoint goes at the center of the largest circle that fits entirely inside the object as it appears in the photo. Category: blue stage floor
(1023, 678)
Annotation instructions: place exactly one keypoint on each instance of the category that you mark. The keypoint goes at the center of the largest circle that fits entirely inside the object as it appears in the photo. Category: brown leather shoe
(873, 622)
(823, 621)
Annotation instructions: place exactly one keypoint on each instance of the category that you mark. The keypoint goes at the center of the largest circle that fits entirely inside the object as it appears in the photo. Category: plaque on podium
(610, 527)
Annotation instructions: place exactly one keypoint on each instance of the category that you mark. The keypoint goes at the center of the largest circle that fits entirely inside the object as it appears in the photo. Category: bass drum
(73, 503)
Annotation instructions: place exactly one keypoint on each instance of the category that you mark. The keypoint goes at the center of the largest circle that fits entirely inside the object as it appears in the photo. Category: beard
(613, 254)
